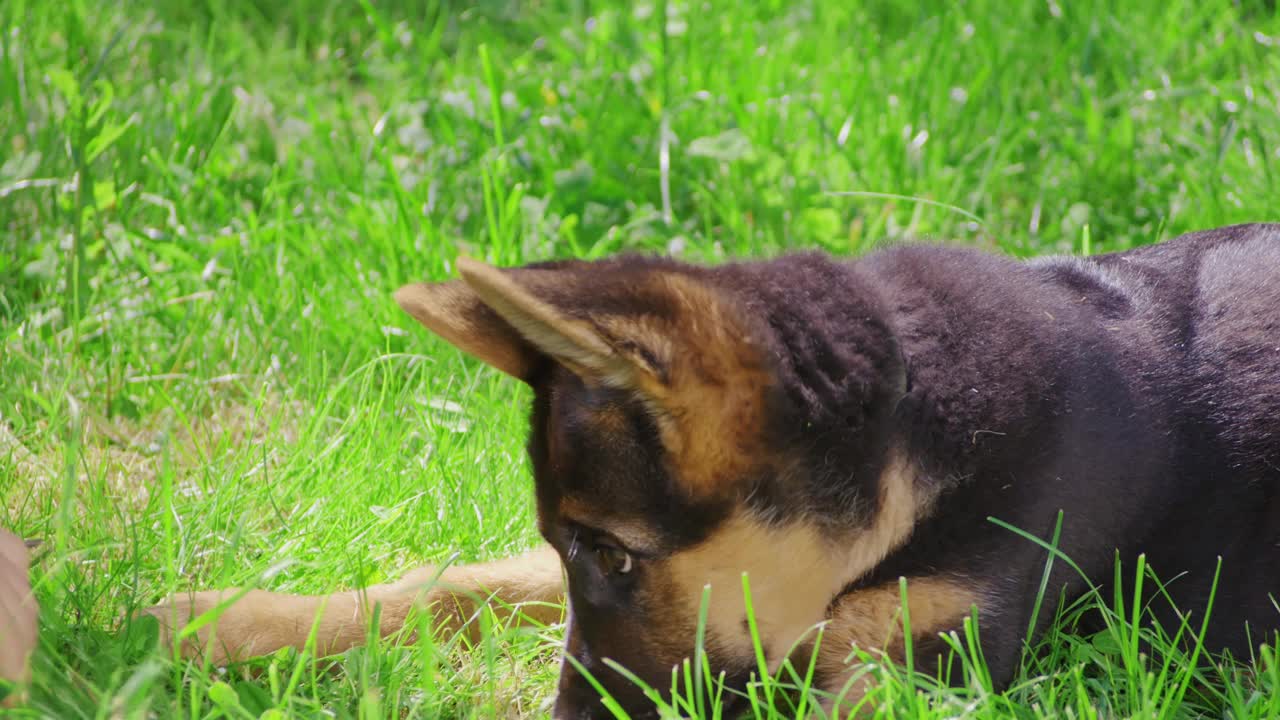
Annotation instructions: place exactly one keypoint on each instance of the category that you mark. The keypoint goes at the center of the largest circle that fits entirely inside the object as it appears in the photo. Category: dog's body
(829, 427)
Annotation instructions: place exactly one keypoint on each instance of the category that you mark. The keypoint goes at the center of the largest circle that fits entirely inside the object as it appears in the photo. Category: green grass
(204, 208)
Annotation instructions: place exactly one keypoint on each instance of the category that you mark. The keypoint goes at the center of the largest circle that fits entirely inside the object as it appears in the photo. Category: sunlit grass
(205, 207)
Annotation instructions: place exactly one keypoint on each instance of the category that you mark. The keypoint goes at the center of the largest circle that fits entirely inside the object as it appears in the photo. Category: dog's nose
(567, 708)
(578, 701)
(587, 705)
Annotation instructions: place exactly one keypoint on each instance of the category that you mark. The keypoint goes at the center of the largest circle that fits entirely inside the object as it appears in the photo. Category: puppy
(829, 427)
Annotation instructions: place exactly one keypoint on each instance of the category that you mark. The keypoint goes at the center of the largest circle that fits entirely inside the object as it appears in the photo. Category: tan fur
(525, 588)
(902, 503)
(791, 583)
(570, 341)
(794, 570)
(871, 620)
(717, 412)
(709, 374)
(451, 310)
(17, 616)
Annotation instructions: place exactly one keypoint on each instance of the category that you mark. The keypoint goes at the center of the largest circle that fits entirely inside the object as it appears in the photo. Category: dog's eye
(613, 559)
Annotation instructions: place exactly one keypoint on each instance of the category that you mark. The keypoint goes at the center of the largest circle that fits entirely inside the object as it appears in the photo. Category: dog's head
(690, 425)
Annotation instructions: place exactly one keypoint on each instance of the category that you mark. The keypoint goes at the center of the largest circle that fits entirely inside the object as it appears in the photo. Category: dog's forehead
(585, 420)
(605, 467)
(601, 445)
(586, 413)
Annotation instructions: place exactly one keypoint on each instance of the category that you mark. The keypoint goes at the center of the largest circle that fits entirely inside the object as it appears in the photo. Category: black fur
(1137, 392)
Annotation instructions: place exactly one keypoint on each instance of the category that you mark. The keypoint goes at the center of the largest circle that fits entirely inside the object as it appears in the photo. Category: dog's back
(1137, 392)
(1202, 312)
(1222, 289)
(1211, 300)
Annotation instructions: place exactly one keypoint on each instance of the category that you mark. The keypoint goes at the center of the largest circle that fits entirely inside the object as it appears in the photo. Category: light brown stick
(522, 588)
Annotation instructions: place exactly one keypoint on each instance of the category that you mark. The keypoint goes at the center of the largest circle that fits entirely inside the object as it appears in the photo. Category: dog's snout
(578, 703)
(589, 706)
(575, 698)
(564, 711)
(578, 699)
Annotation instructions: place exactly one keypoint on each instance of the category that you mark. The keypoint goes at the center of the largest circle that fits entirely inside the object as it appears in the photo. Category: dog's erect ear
(453, 311)
(648, 327)
(458, 312)
(563, 318)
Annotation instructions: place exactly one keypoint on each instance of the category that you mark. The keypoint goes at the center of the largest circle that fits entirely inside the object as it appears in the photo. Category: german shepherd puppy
(829, 427)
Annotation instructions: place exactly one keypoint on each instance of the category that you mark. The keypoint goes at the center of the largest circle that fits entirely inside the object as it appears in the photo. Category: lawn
(205, 208)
